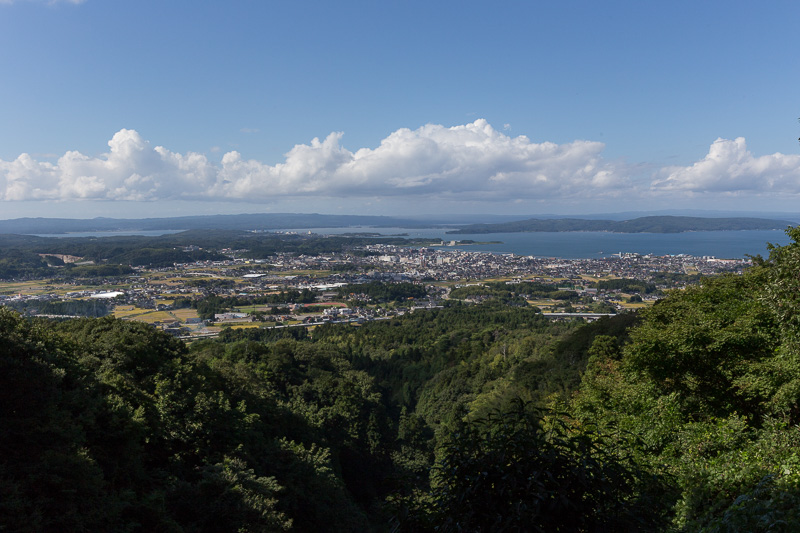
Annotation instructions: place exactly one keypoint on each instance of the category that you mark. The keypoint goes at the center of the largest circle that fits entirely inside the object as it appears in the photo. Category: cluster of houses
(241, 276)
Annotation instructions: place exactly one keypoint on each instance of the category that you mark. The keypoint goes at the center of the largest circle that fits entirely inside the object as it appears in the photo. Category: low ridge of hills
(489, 223)
(263, 221)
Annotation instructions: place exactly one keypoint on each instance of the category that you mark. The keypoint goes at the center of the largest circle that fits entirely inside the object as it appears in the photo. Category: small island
(466, 242)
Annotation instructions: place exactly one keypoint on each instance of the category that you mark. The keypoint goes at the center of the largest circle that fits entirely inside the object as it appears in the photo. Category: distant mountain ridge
(651, 224)
(282, 221)
(264, 221)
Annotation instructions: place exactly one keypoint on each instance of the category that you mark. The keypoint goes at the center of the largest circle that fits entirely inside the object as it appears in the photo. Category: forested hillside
(469, 418)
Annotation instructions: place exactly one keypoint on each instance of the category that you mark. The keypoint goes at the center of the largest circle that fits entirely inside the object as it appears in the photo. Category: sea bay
(582, 245)
(567, 245)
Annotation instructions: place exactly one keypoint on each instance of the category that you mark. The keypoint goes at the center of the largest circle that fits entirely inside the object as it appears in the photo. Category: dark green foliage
(159, 257)
(112, 426)
(708, 387)
(562, 370)
(576, 346)
(89, 308)
(109, 425)
(449, 358)
(565, 295)
(671, 278)
(705, 346)
(627, 285)
(94, 271)
(211, 283)
(16, 263)
(773, 505)
(513, 293)
(209, 306)
(182, 303)
(377, 291)
(512, 471)
(230, 335)
(25, 262)
(46, 479)
(482, 292)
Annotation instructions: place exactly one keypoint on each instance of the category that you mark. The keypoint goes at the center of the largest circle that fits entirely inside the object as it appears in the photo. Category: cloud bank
(466, 162)
(469, 161)
(730, 168)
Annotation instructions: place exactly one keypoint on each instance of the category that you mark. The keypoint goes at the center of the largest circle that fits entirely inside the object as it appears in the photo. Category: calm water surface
(568, 245)
(581, 245)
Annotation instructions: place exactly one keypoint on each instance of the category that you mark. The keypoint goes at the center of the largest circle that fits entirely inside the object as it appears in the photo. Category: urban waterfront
(565, 245)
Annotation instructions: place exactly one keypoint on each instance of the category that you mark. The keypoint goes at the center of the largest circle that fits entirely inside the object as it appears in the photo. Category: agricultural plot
(635, 305)
(153, 316)
(243, 326)
(129, 311)
(184, 314)
(22, 287)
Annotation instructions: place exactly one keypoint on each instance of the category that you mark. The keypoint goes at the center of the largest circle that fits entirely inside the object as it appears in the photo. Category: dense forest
(76, 308)
(490, 417)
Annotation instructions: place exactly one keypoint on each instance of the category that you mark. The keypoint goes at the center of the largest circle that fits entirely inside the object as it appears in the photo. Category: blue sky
(144, 108)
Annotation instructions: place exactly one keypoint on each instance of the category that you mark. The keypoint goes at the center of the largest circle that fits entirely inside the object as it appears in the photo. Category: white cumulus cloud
(466, 161)
(131, 170)
(730, 168)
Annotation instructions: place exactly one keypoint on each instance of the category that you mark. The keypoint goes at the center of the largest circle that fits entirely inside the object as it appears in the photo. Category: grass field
(22, 287)
(154, 316)
(127, 311)
(309, 273)
(254, 308)
(636, 305)
(184, 314)
(46, 286)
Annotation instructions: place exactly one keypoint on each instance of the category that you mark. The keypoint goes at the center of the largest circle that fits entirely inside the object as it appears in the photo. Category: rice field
(127, 311)
(184, 314)
(154, 316)
(22, 287)
(635, 305)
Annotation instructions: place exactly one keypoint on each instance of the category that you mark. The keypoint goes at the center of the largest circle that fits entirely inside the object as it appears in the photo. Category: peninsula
(652, 224)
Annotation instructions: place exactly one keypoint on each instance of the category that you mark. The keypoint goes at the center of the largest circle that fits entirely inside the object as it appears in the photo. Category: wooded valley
(489, 417)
